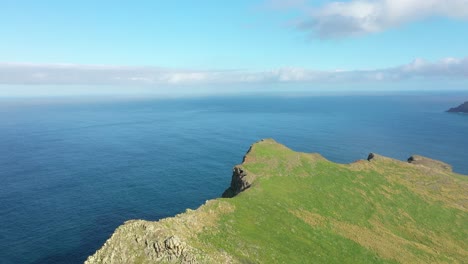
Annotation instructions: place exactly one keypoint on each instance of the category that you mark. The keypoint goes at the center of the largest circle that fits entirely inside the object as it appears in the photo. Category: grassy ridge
(302, 208)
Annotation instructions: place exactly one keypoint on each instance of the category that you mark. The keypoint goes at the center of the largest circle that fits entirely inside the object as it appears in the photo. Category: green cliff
(291, 207)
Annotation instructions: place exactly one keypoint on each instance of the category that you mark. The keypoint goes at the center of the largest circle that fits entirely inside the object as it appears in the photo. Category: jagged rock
(151, 243)
(239, 183)
(174, 246)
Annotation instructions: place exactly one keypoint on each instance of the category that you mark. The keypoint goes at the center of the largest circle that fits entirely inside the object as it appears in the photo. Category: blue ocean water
(71, 171)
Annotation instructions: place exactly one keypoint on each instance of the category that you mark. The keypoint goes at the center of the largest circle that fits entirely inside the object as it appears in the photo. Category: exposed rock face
(144, 242)
(239, 182)
(430, 163)
(169, 240)
(174, 249)
(463, 108)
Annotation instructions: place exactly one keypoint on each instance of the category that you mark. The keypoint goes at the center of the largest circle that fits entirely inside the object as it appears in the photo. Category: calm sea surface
(71, 171)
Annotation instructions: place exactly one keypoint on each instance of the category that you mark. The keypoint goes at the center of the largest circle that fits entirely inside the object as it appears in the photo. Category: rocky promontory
(463, 108)
(290, 207)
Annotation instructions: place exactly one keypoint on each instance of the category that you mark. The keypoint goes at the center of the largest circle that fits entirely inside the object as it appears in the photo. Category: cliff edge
(284, 206)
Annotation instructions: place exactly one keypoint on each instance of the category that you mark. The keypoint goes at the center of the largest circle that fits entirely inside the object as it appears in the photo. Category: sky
(206, 46)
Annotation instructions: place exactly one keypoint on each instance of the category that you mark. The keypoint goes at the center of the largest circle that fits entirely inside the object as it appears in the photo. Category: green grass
(305, 209)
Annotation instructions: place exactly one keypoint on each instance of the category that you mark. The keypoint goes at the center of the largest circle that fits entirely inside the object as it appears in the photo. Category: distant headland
(463, 108)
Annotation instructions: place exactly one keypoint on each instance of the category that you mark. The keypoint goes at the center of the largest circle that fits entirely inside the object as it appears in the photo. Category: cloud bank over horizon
(76, 74)
(341, 19)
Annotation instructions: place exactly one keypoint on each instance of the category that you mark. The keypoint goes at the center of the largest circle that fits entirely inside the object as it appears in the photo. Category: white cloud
(20, 73)
(357, 17)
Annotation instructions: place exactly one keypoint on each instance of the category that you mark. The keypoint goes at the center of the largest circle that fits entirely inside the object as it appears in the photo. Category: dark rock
(370, 157)
(463, 108)
(239, 183)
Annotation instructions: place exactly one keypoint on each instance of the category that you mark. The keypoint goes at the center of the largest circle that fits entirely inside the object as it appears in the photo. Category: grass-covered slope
(294, 207)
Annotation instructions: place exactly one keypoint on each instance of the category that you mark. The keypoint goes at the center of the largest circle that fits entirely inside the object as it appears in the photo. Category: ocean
(72, 170)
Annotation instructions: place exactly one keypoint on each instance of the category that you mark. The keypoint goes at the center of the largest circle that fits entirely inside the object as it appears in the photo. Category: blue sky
(203, 42)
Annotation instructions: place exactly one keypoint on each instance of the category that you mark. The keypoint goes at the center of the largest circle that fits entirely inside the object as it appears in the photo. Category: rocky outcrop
(429, 163)
(241, 179)
(144, 242)
(239, 182)
(415, 160)
(376, 157)
(463, 108)
(169, 240)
